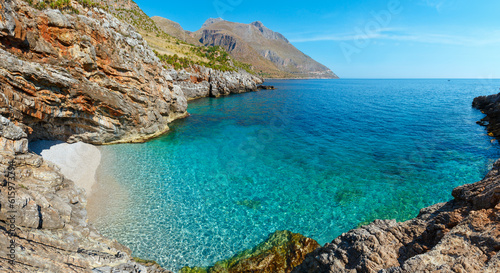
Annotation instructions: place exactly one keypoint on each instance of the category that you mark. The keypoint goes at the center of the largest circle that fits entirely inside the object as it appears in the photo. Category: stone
(489, 105)
(10, 131)
(280, 253)
(462, 235)
(266, 87)
(92, 78)
(51, 230)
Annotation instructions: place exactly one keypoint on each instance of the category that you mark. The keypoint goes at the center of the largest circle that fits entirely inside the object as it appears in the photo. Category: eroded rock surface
(489, 105)
(43, 221)
(205, 82)
(462, 235)
(86, 77)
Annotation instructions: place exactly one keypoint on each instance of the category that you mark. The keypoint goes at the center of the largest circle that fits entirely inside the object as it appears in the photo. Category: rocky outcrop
(462, 235)
(205, 82)
(489, 105)
(93, 78)
(280, 253)
(83, 77)
(266, 87)
(43, 221)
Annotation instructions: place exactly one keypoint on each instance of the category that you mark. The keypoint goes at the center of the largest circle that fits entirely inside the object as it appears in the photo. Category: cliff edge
(83, 75)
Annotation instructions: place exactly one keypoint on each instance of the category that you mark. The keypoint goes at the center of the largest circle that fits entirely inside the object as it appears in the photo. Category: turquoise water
(316, 157)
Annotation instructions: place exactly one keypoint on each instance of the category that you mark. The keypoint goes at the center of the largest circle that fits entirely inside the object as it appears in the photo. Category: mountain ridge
(270, 53)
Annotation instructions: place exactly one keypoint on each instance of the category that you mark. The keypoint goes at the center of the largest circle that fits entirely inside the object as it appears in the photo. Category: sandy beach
(77, 161)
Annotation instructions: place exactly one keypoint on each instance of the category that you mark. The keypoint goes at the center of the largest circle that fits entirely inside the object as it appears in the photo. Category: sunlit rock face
(86, 77)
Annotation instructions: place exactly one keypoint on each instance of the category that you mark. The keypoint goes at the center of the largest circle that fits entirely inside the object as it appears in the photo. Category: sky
(368, 39)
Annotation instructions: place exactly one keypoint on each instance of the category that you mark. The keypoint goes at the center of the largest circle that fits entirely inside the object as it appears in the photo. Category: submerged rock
(280, 253)
(266, 87)
(462, 235)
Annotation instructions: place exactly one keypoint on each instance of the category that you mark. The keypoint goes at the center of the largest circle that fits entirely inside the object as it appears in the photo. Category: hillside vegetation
(219, 44)
(173, 52)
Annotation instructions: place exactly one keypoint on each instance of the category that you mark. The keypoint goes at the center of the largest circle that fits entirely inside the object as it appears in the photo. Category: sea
(316, 157)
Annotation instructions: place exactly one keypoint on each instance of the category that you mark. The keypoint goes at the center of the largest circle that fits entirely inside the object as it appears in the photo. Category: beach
(77, 161)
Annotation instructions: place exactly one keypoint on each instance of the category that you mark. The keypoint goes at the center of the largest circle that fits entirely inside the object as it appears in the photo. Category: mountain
(174, 29)
(252, 47)
(269, 52)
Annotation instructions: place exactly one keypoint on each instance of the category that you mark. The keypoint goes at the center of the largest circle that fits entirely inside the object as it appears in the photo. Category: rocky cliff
(268, 51)
(90, 77)
(489, 105)
(43, 221)
(206, 82)
(83, 77)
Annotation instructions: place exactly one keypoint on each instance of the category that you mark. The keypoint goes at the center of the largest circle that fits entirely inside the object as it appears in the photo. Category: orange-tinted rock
(93, 66)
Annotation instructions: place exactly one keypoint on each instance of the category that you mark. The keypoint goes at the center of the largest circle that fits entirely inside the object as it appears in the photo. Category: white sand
(78, 161)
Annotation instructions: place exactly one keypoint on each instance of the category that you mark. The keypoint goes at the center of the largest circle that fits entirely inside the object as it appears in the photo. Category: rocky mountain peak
(269, 34)
(211, 21)
(257, 24)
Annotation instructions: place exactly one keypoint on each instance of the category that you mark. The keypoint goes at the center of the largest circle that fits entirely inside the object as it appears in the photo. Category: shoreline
(77, 161)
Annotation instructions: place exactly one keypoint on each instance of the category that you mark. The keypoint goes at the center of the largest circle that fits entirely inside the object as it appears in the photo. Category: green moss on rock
(145, 262)
(280, 253)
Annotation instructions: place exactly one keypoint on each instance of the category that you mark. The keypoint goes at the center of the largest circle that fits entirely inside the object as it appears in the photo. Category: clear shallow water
(316, 157)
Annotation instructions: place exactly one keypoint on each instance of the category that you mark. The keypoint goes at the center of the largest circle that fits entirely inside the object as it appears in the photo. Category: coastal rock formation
(81, 77)
(89, 77)
(43, 221)
(205, 82)
(280, 253)
(462, 235)
(489, 105)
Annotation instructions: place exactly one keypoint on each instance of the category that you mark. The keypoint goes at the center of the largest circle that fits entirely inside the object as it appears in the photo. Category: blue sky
(368, 39)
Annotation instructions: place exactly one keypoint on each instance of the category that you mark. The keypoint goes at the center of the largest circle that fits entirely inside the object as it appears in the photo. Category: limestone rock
(462, 235)
(489, 105)
(44, 214)
(204, 82)
(92, 78)
(85, 77)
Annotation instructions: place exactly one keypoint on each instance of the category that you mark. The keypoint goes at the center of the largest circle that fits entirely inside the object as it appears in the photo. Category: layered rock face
(462, 235)
(205, 82)
(43, 221)
(92, 78)
(81, 77)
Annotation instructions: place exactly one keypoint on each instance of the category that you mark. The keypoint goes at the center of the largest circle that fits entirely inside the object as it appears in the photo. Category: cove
(316, 157)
